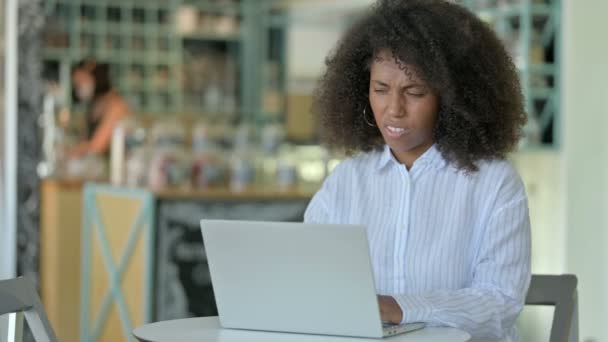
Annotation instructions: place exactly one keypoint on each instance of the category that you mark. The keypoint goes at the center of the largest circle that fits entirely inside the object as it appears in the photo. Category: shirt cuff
(414, 308)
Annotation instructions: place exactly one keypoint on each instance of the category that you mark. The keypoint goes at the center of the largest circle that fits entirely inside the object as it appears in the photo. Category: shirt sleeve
(318, 210)
(489, 307)
(322, 204)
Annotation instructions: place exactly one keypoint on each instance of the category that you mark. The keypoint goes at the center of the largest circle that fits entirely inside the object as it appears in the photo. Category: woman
(91, 83)
(427, 96)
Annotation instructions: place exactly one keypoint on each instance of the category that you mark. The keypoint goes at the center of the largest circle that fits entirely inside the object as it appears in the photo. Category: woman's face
(84, 84)
(405, 108)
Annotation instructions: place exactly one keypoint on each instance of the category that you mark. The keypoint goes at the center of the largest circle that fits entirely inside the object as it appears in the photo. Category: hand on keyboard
(390, 311)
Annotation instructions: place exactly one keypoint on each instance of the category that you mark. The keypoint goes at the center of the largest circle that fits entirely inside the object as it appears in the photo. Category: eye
(415, 94)
(380, 91)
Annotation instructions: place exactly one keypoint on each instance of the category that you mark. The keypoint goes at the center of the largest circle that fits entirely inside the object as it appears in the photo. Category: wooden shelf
(211, 193)
(211, 36)
(252, 193)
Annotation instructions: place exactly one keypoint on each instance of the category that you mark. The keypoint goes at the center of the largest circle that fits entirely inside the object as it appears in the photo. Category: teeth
(396, 129)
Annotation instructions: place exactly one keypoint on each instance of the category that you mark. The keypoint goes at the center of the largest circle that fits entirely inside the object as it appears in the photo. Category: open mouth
(396, 132)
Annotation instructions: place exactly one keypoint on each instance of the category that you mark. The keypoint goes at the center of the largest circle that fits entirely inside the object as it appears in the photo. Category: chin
(400, 147)
(406, 147)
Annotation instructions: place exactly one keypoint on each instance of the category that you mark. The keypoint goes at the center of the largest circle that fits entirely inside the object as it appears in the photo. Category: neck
(408, 158)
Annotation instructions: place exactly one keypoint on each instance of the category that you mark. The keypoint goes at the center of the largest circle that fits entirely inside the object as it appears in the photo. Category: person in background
(426, 100)
(105, 107)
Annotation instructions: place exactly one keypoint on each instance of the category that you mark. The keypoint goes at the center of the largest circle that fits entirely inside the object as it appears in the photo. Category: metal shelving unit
(136, 38)
(147, 51)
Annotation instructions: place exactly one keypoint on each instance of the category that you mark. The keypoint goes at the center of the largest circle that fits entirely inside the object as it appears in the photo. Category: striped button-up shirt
(452, 248)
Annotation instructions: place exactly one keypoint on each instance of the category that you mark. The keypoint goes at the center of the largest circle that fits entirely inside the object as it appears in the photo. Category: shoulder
(346, 178)
(118, 100)
(497, 169)
(357, 165)
(117, 105)
(502, 176)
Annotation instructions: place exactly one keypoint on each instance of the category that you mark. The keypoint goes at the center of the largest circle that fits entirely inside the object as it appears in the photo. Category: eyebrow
(409, 86)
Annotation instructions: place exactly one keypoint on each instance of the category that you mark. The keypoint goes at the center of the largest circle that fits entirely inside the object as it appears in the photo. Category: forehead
(385, 65)
(80, 74)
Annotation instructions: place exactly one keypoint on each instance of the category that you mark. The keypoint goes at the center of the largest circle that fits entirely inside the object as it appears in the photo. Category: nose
(395, 106)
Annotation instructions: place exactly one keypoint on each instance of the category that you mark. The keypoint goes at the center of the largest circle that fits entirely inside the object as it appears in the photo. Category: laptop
(294, 277)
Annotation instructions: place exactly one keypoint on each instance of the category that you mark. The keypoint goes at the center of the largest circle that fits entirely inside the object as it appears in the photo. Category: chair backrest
(18, 297)
(559, 291)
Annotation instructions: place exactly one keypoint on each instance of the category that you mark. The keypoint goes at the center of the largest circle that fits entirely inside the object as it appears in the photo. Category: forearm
(486, 313)
(79, 150)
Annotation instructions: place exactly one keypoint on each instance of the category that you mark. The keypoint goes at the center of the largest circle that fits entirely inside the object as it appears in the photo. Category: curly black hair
(481, 111)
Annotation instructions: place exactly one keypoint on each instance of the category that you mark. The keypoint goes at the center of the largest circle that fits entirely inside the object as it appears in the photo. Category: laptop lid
(292, 277)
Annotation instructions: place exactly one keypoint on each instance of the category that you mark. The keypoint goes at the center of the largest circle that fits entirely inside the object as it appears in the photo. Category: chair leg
(39, 326)
(3, 327)
(15, 327)
(574, 322)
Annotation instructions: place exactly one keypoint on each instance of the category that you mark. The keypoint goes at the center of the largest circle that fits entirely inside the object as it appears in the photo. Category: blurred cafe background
(216, 122)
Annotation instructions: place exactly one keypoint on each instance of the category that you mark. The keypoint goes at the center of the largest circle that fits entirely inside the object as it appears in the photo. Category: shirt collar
(432, 157)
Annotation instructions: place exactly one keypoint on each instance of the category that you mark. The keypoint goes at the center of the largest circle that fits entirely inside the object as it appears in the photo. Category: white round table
(208, 329)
